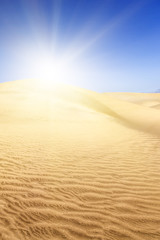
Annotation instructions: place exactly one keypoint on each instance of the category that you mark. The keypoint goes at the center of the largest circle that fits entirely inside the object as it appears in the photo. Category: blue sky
(102, 45)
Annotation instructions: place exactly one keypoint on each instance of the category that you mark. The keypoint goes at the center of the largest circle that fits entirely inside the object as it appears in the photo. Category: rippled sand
(77, 164)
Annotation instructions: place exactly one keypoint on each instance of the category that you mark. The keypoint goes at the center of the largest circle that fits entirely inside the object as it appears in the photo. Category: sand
(77, 164)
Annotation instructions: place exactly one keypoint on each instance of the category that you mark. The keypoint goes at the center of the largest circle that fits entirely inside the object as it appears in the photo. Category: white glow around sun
(49, 52)
(48, 67)
(52, 69)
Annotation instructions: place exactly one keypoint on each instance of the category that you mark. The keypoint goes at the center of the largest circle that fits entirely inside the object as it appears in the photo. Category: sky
(101, 45)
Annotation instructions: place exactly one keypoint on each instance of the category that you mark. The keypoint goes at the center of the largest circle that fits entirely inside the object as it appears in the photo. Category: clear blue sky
(114, 44)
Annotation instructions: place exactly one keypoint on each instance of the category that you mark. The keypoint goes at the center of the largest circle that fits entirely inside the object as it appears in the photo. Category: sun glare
(48, 67)
(51, 70)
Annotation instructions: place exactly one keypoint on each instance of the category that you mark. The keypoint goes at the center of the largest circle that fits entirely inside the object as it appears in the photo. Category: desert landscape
(77, 164)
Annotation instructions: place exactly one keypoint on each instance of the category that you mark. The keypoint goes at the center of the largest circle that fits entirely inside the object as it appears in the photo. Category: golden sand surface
(78, 165)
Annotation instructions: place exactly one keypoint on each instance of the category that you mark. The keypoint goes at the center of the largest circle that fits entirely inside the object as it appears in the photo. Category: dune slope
(77, 164)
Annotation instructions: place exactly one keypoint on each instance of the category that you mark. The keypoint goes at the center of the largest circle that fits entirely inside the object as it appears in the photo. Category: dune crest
(76, 164)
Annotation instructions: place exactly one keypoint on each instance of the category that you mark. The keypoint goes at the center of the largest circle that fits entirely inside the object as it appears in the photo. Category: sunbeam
(52, 40)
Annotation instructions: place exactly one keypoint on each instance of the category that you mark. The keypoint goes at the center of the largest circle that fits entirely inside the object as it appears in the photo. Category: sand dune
(77, 164)
(145, 99)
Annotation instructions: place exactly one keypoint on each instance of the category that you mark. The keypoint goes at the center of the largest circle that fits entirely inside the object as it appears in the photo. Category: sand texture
(78, 165)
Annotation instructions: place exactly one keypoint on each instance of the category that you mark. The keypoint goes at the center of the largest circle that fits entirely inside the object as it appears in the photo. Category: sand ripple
(85, 176)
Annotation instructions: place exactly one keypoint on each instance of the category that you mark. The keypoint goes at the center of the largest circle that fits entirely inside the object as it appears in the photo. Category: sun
(49, 65)
(51, 69)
